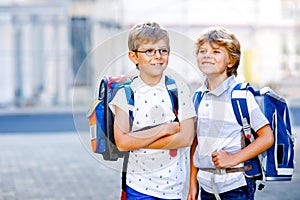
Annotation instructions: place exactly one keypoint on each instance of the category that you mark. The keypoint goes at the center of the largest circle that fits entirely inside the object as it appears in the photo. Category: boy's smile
(208, 62)
(157, 64)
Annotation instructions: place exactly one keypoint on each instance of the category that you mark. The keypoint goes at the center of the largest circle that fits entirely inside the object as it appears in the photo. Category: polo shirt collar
(143, 87)
(219, 90)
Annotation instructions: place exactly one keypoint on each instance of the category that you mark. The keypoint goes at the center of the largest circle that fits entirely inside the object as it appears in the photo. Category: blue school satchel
(277, 163)
(101, 118)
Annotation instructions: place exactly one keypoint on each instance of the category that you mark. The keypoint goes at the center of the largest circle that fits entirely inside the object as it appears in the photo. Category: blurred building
(35, 53)
(45, 43)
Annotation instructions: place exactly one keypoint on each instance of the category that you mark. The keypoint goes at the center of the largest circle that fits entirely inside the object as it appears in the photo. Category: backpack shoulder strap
(197, 97)
(239, 102)
(240, 107)
(173, 93)
(130, 97)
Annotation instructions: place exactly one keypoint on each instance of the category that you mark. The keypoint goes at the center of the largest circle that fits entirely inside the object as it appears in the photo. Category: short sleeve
(120, 101)
(186, 108)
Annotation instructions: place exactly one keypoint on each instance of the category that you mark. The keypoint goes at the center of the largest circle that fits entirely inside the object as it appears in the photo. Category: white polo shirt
(154, 171)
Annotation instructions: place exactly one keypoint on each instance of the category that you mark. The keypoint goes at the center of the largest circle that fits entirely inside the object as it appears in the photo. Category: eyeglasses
(152, 52)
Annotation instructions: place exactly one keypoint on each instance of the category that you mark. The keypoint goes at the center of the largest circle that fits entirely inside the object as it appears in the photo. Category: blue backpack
(276, 163)
(101, 118)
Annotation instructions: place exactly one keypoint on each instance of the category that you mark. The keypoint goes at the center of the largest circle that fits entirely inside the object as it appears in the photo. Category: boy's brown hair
(222, 37)
(148, 32)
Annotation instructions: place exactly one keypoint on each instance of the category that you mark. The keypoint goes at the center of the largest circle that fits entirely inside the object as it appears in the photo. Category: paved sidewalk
(56, 166)
(52, 166)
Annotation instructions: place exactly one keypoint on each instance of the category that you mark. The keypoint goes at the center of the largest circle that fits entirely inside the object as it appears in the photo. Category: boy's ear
(231, 63)
(132, 57)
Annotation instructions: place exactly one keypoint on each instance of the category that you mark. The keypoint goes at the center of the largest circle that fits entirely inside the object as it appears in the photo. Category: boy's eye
(164, 51)
(150, 51)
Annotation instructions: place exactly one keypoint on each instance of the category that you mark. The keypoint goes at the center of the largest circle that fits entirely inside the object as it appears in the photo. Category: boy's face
(151, 65)
(213, 59)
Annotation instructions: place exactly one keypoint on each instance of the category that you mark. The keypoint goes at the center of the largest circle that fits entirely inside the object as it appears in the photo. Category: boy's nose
(157, 54)
(208, 55)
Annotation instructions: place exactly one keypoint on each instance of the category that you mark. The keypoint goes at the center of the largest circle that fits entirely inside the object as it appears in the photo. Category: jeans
(132, 194)
(241, 193)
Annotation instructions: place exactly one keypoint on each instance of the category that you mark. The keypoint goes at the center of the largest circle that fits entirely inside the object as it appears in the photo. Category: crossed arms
(166, 136)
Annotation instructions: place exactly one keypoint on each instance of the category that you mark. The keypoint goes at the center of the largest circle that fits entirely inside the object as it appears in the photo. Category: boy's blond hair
(145, 33)
(222, 37)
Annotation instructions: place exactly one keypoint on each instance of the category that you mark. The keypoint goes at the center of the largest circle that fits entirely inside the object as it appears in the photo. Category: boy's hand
(193, 194)
(171, 128)
(222, 159)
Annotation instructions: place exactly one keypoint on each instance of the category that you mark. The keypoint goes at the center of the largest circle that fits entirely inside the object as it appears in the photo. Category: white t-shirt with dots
(154, 171)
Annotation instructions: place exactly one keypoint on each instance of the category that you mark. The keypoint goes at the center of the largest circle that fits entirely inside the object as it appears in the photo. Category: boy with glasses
(155, 170)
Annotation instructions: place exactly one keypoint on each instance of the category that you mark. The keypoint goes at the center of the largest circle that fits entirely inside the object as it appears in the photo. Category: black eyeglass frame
(162, 52)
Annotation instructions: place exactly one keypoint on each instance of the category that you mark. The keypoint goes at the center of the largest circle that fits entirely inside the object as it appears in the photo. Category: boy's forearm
(193, 177)
(181, 139)
(169, 142)
(193, 170)
(137, 140)
(263, 142)
(162, 143)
